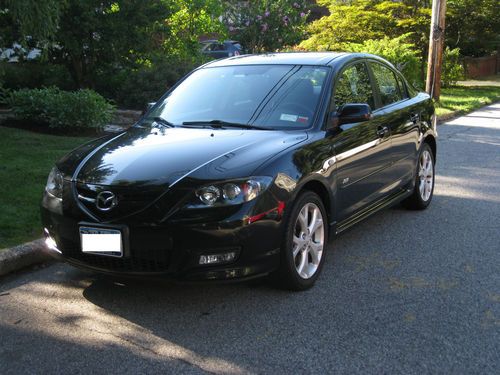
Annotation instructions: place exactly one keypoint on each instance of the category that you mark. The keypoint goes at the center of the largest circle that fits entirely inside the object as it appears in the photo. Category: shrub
(453, 70)
(3, 90)
(134, 88)
(61, 109)
(401, 54)
(34, 74)
(4, 94)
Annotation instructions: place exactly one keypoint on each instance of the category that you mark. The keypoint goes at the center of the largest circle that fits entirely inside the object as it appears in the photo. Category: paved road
(404, 292)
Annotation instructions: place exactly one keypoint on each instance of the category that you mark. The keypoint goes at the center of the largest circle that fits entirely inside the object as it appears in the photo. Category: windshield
(270, 96)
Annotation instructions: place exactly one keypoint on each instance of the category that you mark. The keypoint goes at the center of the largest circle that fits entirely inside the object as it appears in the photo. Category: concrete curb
(22, 256)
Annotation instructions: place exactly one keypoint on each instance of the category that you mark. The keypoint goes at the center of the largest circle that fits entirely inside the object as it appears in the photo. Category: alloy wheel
(308, 240)
(426, 175)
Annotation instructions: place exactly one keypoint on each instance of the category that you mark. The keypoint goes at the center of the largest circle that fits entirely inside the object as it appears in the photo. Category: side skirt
(389, 201)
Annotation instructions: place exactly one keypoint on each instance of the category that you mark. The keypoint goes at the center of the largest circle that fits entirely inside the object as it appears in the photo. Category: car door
(361, 149)
(402, 116)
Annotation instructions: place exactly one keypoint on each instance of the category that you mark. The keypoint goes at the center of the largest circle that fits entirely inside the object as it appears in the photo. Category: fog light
(50, 242)
(217, 258)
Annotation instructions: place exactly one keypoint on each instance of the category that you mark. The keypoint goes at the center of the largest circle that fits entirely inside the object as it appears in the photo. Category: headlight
(54, 183)
(230, 192)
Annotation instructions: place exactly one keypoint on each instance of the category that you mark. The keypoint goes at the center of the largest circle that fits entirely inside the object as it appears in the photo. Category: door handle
(415, 118)
(382, 131)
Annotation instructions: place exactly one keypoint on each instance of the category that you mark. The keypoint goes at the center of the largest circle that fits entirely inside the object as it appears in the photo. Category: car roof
(293, 58)
(218, 41)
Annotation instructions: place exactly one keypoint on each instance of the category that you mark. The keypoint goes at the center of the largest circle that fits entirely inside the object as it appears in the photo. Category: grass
(26, 160)
(462, 99)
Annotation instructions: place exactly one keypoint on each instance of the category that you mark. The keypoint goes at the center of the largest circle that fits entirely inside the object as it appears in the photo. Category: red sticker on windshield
(303, 119)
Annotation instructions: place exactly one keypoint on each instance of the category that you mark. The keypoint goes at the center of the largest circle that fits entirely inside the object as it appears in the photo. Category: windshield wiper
(218, 124)
(162, 121)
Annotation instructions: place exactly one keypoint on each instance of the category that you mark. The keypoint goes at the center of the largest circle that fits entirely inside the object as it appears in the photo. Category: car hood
(143, 156)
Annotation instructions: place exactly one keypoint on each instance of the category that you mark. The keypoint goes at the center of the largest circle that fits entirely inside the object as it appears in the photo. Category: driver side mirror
(351, 113)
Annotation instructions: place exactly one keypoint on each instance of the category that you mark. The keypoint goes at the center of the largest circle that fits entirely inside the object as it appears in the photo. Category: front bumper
(173, 249)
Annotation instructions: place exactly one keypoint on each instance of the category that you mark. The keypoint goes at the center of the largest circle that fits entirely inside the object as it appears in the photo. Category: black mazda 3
(245, 168)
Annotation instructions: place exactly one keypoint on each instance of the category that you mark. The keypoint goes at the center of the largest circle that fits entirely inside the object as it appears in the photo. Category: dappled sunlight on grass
(464, 99)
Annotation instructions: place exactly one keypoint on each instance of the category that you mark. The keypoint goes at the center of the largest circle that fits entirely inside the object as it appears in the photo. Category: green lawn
(25, 161)
(462, 99)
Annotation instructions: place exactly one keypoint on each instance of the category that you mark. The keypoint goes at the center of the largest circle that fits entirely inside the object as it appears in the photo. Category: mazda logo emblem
(106, 200)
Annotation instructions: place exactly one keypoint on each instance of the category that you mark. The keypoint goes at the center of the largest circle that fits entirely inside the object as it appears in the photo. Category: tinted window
(402, 87)
(354, 86)
(265, 95)
(387, 84)
(209, 47)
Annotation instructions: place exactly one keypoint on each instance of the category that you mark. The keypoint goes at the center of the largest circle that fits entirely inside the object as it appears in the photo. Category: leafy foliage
(264, 25)
(61, 109)
(398, 51)
(37, 19)
(473, 26)
(191, 19)
(358, 21)
(3, 90)
(135, 87)
(453, 70)
(94, 35)
(34, 74)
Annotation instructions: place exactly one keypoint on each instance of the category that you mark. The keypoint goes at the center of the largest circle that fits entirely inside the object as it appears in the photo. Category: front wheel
(424, 181)
(303, 248)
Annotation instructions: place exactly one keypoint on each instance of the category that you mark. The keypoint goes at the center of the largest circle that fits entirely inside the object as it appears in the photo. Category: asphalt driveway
(403, 292)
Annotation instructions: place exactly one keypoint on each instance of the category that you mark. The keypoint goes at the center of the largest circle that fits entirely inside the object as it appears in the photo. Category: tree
(190, 20)
(473, 26)
(398, 51)
(266, 25)
(36, 19)
(95, 34)
(94, 38)
(357, 21)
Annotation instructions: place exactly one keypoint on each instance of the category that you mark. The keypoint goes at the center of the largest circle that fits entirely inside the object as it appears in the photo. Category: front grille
(146, 261)
(129, 200)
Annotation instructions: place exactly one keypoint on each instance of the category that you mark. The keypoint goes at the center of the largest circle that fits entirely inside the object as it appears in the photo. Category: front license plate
(101, 241)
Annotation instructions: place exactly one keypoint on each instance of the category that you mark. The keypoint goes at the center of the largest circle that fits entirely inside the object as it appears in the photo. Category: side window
(402, 87)
(354, 86)
(387, 84)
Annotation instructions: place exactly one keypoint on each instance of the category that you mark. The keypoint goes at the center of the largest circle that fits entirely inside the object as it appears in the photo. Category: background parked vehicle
(218, 50)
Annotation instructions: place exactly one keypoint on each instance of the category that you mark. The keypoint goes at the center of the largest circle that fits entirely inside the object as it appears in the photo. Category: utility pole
(436, 43)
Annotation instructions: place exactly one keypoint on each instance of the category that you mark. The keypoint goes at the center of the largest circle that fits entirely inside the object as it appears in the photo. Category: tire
(424, 181)
(302, 251)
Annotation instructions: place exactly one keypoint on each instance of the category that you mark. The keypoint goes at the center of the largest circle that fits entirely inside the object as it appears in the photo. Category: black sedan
(246, 168)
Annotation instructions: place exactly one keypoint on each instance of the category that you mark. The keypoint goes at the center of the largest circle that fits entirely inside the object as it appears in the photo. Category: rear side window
(388, 87)
(402, 87)
(354, 86)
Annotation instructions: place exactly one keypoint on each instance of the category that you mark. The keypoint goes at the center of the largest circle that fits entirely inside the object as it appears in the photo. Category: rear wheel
(424, 181)
(302, 252)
